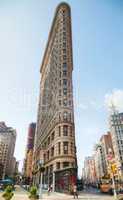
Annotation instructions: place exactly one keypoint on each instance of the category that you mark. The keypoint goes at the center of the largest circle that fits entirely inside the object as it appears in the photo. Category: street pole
(110, 159)
(53, 181)
(114, 188)
(40, 192)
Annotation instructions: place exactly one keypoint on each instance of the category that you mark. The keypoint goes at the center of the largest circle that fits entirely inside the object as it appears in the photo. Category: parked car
(6, 182)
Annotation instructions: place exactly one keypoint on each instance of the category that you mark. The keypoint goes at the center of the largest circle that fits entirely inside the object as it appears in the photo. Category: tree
(33, 193)
(8, 194)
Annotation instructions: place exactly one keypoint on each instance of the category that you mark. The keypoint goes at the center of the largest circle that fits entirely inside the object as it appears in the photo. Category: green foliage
(33, 193)
(8, 194)
(120, 197)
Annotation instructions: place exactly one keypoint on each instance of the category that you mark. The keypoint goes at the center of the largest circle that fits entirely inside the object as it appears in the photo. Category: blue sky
(98, 59)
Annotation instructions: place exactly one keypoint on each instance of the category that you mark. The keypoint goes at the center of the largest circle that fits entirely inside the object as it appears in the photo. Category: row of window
(119, 137)
(61, 34)
(59, 165)
(59, 51)
(64, 165)
(120, 141)
(3, 152)
(117, 117)
(3, 145)
(63, 12)
(64, 92)
(62, 22)
(65, 102)
(64, 73)
(66, 117)
(66, 147)
(64, 81)
(120, 152)
(67, 131)
(62, 117)
(60, 45)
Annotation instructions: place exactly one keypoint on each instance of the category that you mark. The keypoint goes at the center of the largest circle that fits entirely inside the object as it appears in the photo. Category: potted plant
(8, 194)
(33, 193)
(120, 197)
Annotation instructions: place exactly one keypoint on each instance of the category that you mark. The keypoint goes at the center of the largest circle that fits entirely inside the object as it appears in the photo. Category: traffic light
(114, 168)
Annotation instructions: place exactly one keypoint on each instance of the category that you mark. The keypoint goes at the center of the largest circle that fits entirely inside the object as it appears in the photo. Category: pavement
(21, 194)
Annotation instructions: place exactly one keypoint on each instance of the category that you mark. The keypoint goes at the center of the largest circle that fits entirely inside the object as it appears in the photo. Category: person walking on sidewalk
(75, 193)
(49, 189)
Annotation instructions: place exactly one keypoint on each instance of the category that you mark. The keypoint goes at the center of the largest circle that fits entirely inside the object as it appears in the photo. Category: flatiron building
(55, 131)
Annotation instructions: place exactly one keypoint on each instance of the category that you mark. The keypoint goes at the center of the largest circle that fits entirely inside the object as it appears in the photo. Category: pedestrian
(75, 193)
(49, 189)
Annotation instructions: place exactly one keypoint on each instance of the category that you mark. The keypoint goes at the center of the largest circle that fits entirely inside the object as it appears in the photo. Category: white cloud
(115, 98)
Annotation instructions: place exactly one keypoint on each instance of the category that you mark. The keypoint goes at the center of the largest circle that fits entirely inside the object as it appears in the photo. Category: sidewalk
(52, 196)
(57, 196)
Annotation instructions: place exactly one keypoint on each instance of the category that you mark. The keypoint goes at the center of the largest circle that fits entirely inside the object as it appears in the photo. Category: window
(64, 73)
(60, 74)
(59, 102)
(70, 117)
(72, 164)
(65, 91)
(64, 50)
(65, 82)
(64, 65)
(52, 151)
(48, 155)
(64, 44)
(65, 164)
(51, 169)
(60, 83)
(44, 157)
(64, 33)
(59, 131)
(65, 115)
(48, 140)
(59, 116)
(59, 92)
(65, 102)
(64, 28)
(58, 165)
(59, 148)
(65, 130)
(45, 144)
(64, 39)
(52, 136)
(71, 148)
(64, 56)
(65, 147)
(71, 131)
(69, 103)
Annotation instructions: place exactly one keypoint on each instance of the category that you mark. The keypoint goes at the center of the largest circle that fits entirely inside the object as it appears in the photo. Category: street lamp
(41, 169)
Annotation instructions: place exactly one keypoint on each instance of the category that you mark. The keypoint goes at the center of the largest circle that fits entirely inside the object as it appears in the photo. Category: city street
(20, 194)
